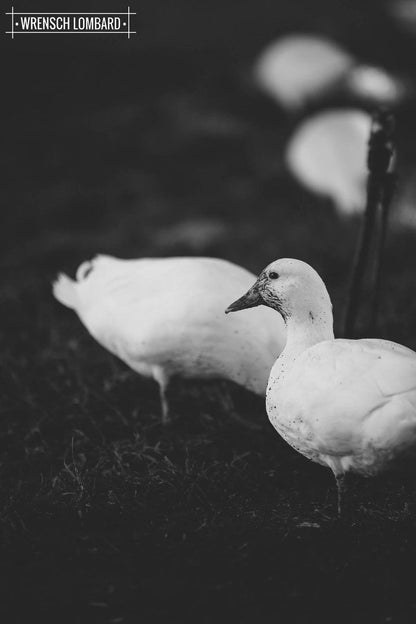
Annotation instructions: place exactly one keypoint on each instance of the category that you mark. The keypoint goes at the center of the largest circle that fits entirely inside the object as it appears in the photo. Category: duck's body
(328, 155)
(298, 69)
(164, 317)
(347, 404)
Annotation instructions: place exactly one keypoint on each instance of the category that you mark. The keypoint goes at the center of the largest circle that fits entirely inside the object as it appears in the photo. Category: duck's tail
(65, 291)
(85, 268)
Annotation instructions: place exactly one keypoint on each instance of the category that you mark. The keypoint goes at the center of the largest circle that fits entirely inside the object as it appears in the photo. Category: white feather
(64, 290)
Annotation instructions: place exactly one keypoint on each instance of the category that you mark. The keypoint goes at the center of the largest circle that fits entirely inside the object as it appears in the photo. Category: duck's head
(291, 287)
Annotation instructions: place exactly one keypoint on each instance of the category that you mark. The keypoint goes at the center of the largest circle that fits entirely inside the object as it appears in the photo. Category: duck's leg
(162, 379)
(341, 490)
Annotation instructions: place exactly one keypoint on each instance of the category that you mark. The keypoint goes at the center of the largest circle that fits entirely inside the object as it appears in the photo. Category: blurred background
(167, 144)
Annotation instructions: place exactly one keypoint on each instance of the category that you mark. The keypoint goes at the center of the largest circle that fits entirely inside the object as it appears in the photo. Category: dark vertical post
(379, 194)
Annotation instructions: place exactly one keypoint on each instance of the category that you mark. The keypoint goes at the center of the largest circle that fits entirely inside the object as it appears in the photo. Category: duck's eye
(273, 275)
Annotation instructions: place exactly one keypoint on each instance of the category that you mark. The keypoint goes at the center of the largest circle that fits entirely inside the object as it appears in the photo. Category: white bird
(300, 69)
(347, 404)
(165, 317)
(327, 154)
(297, 69)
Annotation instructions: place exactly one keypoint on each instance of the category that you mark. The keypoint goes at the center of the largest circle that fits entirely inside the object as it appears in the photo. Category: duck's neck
(302, 333)
(307, 328)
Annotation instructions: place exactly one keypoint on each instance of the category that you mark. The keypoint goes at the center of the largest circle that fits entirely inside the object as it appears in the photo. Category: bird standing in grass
(347, 404)
(164, 317)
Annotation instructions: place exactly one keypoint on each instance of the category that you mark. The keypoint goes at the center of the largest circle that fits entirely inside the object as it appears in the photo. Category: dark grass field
(163, 148)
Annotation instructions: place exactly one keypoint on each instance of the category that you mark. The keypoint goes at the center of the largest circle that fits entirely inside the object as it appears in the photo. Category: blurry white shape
(166, 316)
(299, 68)
(374, 83)
(328, 153)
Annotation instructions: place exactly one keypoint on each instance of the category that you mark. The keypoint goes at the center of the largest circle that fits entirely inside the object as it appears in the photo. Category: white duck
(165, 317)
(299, 69)
(328, 155)
(346, 404)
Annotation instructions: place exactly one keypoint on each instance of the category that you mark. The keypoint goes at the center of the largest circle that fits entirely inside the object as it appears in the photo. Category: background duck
(327, 154)
(347, 404)
(164, 317)
(301, 69)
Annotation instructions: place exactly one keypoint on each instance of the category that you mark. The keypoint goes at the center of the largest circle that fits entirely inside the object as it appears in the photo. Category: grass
(106, 515)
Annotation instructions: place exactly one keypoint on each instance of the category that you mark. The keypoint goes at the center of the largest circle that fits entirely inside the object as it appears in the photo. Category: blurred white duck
(346, 404)
(299, 69)
(328, 155)
(165, 317)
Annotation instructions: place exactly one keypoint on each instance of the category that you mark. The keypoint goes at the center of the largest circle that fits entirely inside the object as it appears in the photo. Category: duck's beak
(251, 299)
